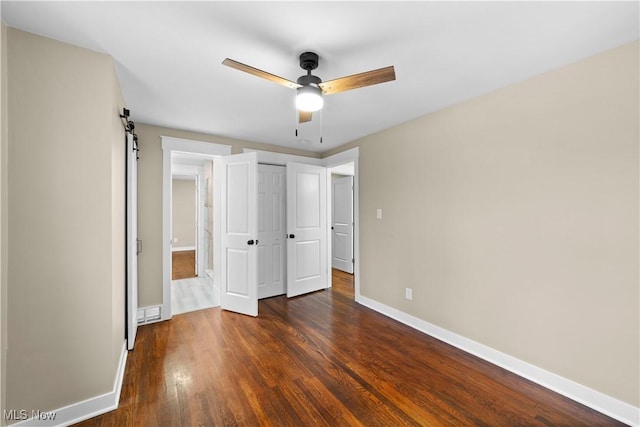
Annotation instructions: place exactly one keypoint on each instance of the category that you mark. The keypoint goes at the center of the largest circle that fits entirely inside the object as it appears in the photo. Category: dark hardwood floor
(320, 359)
(183, 264)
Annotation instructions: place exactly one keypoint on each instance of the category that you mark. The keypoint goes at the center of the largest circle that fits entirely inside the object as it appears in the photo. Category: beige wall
(514, 218)
(150, 199)
(118, 214)
(66, 224)
(183, 215)
(3, 216)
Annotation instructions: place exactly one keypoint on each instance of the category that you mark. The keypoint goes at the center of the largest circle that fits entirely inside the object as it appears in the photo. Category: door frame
(169, 146)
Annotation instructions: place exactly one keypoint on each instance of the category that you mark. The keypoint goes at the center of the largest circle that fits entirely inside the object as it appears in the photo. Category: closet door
(306, 228)
(271, 231)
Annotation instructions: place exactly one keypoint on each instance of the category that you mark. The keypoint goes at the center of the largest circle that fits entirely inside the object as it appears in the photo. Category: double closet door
(298, 223)
(272, 256)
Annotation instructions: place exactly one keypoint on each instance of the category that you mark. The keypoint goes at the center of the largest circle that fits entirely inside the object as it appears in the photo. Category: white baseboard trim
(84, 410)
(183, 248)
(600, 402)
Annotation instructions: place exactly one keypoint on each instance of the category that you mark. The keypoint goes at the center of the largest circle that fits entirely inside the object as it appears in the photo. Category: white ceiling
(168, 56)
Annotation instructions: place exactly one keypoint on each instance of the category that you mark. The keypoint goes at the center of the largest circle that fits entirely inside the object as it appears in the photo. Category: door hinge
(353, 260)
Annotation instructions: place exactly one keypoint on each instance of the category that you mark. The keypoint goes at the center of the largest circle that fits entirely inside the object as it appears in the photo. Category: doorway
(189, 160)
(192, 285)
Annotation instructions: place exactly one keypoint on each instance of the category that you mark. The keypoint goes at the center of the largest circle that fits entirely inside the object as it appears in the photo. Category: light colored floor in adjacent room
(192, 294)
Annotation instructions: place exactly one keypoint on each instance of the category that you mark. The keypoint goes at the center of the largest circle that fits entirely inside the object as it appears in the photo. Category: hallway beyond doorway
(183, 264)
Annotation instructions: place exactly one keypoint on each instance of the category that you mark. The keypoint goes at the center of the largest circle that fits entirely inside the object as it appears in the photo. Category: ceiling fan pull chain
(321, 125)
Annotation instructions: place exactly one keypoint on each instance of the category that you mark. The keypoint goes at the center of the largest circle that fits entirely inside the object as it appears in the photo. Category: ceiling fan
(310, 88)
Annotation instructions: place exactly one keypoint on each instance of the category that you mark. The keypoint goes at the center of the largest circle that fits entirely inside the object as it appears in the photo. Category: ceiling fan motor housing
(308, 61)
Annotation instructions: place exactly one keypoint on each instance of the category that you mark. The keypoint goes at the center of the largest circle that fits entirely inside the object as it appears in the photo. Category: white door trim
(169, 146)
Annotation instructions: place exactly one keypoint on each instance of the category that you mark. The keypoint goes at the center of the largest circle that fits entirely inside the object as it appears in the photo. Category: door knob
(292, 236)
(250, 242)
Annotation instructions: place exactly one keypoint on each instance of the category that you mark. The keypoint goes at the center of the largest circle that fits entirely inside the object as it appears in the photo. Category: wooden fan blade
(304, 116)
(355, 81)
(256, 72)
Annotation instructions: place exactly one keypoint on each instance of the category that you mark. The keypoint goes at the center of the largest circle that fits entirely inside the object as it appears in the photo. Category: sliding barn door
(236, 177)
(132, 241)
(306, 228)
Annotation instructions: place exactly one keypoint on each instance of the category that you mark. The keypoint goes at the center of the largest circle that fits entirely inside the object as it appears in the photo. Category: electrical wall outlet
(379, 214)
(408, 293)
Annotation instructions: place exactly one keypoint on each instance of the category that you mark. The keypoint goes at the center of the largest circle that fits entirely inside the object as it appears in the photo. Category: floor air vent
(149, 314)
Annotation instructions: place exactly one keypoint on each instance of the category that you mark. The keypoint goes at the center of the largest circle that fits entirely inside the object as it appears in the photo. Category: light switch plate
(379, 214)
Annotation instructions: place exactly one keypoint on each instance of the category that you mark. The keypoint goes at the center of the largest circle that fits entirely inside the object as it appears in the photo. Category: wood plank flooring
(183, 264)
(320, 359)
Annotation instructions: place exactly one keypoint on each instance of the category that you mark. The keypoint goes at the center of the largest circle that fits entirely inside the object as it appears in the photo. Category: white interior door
(342, 223)
(306, 228)
(132, 241)
(236, 177)
(271, 231)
